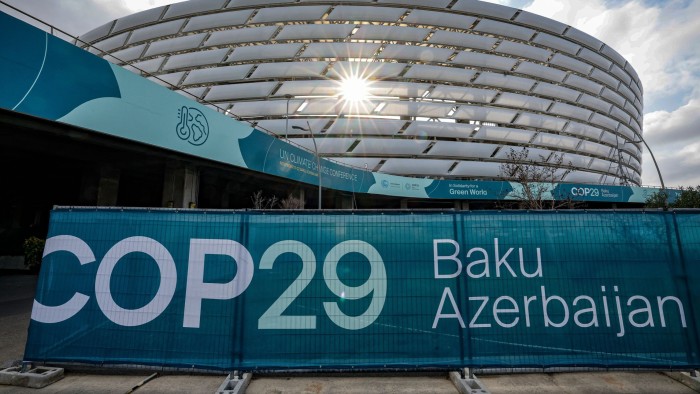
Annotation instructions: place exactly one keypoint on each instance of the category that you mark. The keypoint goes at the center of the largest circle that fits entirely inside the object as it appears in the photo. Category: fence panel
(261, 290)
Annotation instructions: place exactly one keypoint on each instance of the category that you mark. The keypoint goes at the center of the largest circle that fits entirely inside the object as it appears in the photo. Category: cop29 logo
(193, 126)
(585, 191)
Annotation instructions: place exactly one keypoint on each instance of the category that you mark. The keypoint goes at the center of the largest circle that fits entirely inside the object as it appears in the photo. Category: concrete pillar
(180, 186)
(108, 186)
(16, 212)
(228, 188)
(344, 202)
(89, 182)
(302, 197)
(404, 204)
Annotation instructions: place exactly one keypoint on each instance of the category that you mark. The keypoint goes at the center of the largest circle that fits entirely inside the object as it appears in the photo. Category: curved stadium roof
(455, 85)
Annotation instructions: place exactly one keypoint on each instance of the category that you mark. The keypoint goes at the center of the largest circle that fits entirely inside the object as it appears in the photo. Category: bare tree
(536, 179)
(291, 202)
(262, 202)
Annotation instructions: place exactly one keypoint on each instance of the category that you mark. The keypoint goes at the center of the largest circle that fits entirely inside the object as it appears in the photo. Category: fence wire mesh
(363, 290)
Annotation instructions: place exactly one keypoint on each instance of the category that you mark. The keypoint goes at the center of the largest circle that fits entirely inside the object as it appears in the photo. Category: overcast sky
(661, 38)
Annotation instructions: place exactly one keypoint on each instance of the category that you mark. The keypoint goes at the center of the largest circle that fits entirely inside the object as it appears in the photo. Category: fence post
(693, 337)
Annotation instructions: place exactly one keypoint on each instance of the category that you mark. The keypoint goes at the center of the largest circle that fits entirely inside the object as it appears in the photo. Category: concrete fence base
(34, 378)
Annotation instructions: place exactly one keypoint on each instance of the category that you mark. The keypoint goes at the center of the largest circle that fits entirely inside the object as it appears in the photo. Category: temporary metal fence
(250, 290)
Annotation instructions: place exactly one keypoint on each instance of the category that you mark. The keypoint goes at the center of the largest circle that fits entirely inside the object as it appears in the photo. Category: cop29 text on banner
(252, 290)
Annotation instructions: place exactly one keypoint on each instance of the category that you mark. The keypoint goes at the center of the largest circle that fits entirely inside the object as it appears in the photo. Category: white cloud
(77, 17)
(73, 16)
(679, 126)
(674, 138)
(678, 165)
(140, 5)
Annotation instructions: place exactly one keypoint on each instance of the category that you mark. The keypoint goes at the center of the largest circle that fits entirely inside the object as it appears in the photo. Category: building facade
(454, 88)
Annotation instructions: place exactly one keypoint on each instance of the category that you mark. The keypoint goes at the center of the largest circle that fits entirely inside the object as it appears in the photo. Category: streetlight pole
(318, 158)
(658, 171)
(286, 117)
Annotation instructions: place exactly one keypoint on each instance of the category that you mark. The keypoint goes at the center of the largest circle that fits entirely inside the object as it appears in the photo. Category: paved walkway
(17, 294)
(16, 298)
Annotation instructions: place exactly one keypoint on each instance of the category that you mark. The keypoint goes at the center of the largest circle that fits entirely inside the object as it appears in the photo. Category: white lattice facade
(454, 84)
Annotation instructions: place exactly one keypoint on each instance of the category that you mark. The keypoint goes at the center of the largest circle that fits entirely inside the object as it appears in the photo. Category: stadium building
(346, 104)
(450, 86)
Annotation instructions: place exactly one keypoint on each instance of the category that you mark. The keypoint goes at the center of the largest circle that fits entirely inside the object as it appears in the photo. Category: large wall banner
(260, 290)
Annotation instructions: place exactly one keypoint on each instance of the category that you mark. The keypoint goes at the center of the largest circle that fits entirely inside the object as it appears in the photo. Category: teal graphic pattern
(44, 76)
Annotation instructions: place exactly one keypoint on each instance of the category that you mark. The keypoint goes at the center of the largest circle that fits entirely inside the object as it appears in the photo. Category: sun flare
(354, 89)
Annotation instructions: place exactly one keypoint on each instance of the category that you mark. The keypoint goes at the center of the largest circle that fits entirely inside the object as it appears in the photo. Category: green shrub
(689, 197)
(33, 251)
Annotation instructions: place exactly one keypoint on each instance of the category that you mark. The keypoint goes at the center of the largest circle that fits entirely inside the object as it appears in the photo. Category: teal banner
(259, 290)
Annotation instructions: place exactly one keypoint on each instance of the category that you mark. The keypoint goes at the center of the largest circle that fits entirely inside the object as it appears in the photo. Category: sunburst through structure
(439, 89)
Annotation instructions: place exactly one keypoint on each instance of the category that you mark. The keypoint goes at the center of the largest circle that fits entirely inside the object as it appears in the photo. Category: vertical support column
(191, 188)
(302, 197)
(228, 188)
(108, 186)
(404, 203)
(344, 202)
(89, 184)
(180, 186)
